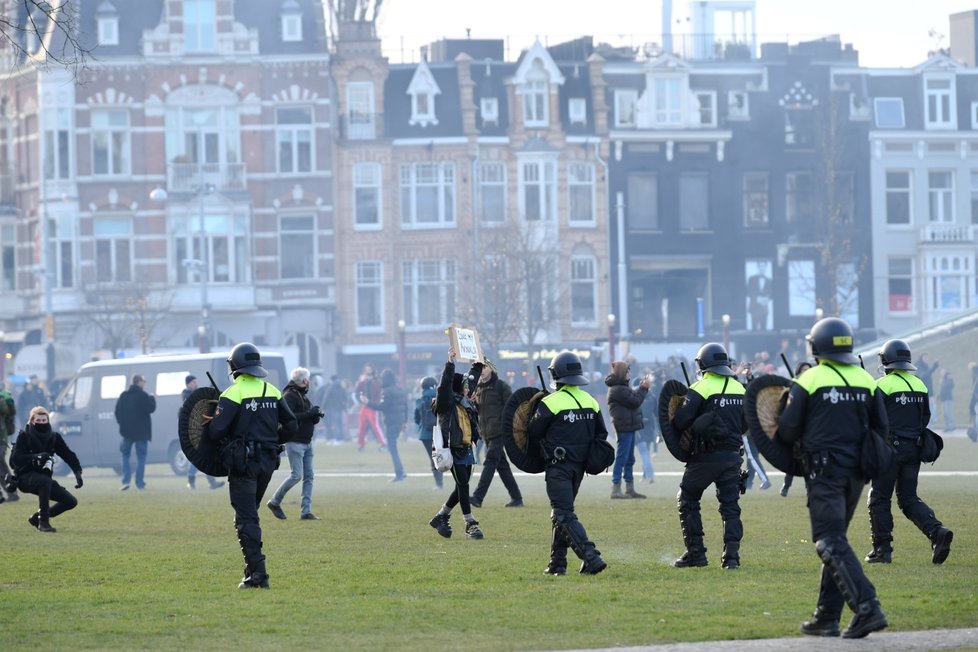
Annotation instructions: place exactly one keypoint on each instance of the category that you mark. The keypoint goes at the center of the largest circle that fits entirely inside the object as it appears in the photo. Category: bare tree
(128, 315)
(518, 290)
(43, 32)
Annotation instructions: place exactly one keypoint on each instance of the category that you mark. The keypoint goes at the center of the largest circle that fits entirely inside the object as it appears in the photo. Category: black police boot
(34, 519)
(940, 543)
(692, 528)
(592, 564)
(692, 558)
(821, 624)
(558, 552)
(869, 618)
(44, 526)
(881, 554)
(731, 556)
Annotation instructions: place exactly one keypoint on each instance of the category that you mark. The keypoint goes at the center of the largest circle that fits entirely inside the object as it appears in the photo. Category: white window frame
(577, 110)
(223, 232)
(108, 30)
(423, 108)
(360, 111)
(757, 185)
(711, 118)
(489, 109)
(422, 277)
(369, 277)
(115, 137)
(290, 134)
(949, 270)
(540, 173)
(291, 28)
(580, 177)
(939, 101)
(881, 104)
(667, 100)
(366, 177)
(492, 177)
(199, 36)
(940, 199)
(302, 235)
(897, 190)
(62, 236)
(115, 233)
(890, 276)
(536, 103)
(584, 276)
(733, 111)
(626, 108)
(58, 145)
(418, 176)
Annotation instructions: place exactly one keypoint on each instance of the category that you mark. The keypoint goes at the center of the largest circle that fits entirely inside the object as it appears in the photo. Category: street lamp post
(401, 352)
(611, 338)
(203, 269)
(726, 332)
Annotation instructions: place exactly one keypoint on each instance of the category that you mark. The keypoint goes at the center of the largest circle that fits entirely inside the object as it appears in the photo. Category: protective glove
(78, 481)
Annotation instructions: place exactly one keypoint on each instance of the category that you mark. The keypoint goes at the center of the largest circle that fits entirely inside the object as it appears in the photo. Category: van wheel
(178, 461)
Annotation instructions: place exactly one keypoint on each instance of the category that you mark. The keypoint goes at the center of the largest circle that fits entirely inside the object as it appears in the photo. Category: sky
(887, 33)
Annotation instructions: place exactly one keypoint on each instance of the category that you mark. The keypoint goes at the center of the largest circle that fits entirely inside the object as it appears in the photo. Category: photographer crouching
(32, 460)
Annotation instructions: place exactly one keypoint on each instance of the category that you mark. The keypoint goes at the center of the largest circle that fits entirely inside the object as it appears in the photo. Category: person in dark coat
(132, 413)
(299, 450)
(31, 396)
(625, 406)
(426, 420)
(33, 460)
(394, 408)
(491, 394)
(336, 401)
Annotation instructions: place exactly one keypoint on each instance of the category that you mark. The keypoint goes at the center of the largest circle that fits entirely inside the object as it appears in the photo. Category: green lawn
(158, 569)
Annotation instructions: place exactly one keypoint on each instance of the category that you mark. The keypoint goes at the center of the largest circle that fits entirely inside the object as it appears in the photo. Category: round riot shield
(762, 406)
(679, 444)
(200, 449)
(519, 409)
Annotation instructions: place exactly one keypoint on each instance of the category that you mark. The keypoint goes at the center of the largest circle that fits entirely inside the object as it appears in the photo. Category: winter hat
(457, 381)
(619, 369)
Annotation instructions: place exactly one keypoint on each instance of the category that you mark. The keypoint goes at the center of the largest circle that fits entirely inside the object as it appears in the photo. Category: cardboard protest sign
(465, 341)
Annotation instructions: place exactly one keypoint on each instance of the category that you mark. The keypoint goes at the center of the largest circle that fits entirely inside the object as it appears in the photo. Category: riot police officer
(248, 414)
(564, 424)
(714, 409)
(829, 408)
(908, 413)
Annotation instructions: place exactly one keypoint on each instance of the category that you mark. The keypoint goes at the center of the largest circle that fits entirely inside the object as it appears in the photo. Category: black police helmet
(246, 359)
(831, 339)
(566, 369)
(712, 357)
(895, 354)
(428, 382)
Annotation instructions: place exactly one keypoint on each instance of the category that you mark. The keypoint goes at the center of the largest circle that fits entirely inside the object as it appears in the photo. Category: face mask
(43, 428)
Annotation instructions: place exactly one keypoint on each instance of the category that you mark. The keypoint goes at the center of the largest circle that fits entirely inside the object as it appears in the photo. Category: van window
(77, 395)
(112, 386)
(170, 383)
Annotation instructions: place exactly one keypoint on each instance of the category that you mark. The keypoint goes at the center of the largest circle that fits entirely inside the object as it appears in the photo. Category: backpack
(426, 418)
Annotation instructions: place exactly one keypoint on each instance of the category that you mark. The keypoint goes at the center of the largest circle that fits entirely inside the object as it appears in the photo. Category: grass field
(158, 569)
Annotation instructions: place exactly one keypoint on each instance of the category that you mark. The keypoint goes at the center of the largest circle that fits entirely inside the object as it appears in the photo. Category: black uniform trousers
(496, 462)
(719, 467)
(47, 489)
(903, 477)
(833, 496)
(247, 487)
(563, 482)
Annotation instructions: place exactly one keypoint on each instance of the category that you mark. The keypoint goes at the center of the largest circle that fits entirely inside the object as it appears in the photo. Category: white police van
(84, 412)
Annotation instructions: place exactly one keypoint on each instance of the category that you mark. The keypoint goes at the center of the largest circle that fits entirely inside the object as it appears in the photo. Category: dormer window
(536, 77)
(535, 99)
(199, 25)
(422, 90)
(291, 22)
(939, 101)
(489, 108)
(108, 23)
(577, 110)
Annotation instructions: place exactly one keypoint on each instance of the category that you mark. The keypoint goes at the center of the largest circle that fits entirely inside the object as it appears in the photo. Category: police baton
(784, 359)
(543, 384)
(685, 374)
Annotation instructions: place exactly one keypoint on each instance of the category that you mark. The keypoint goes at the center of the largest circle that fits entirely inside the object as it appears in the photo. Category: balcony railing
(223, 177)
(949, 233)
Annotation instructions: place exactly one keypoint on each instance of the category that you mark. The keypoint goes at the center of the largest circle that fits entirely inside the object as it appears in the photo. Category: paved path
(935, 639)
